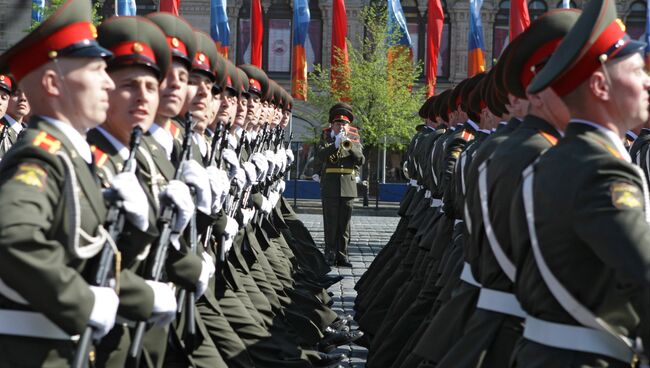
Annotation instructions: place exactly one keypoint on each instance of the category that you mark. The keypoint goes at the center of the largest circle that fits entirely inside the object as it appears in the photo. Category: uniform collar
(201, 142)
(77, 140)
(163, 137)
(631, 134)
(613, 137)
(121, 149)
(16, 126)
(473, 125)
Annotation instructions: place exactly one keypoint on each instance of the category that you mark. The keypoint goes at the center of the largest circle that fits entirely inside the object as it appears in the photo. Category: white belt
(467, 275)
(413, 183)
(576, 338)
(427, 194)
(30, 324)
(435, 202)
(500, 301)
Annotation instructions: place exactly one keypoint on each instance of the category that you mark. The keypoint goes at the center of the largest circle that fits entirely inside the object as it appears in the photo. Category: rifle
(115, 220)
(160, 257)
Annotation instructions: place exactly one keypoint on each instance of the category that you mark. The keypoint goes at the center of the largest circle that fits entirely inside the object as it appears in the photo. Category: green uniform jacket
(36, 256)
(591, 227)
(335, 185)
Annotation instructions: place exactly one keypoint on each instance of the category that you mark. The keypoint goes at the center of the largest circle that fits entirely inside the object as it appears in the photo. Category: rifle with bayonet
(107, 259)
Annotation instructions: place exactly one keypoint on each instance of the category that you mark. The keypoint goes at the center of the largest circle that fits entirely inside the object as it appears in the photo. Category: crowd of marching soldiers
(524, 237)
(143, 220)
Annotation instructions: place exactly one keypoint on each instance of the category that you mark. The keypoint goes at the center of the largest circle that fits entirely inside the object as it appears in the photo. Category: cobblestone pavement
(369, 235)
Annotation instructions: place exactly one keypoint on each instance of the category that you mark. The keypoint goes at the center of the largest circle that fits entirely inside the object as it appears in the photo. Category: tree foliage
(52, 5)
(381, 85)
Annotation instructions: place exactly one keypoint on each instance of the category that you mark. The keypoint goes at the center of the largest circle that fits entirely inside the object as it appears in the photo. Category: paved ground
(369, 235)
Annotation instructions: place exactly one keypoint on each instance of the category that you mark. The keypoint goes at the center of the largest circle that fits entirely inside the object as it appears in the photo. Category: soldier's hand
(251, 172)
(220, 185)
(281, 186)
(232, 228)
(164, 304)
(195, 175)
(247, 214)
(261, 165)
(134, 201)
(102, 316)
(290, 158)
(178, 193)
(230, 157)
(207, 270)
(338, 139)
(316, 178)
(270, 160)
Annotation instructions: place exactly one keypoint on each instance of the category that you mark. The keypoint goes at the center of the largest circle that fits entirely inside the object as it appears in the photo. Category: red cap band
(201, 61)
(589, 62)
(341, 117)
(175, 44)
(529, 69)
(4, 79)
(133, 48)
(255, 85)
(46, 49)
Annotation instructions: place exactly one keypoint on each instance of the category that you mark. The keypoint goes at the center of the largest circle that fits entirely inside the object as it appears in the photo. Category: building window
(536, 8)
(635, 21)
(500, 31)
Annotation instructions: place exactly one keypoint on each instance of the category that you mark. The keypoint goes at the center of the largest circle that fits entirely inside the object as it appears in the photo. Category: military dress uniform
(339, 170)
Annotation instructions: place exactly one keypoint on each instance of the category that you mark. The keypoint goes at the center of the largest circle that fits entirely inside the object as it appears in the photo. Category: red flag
(434, 37)
(257, 33)
(519, 18)
(339, 59)
(170, 6)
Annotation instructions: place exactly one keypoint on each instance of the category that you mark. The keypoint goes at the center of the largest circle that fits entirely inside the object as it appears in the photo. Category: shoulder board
(550, 138)
(47, 142)
(467, 135)
(99, 156)
(172, 128)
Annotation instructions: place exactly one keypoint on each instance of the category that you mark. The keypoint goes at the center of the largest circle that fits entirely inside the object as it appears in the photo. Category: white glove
(179, 194)
(164, 304)
(220, 185)
(134, 201)
(274, 197)
(290, 157)
(266, 206)
(281, 186)
(261, 165)
(230, 158)
(102, 316)
(232, 228)
(247, 215)
(251, 172)
(316, 178)
(196, 176)
(281, 161)
(270, 159)
(337, 141)
(241, 180)
(207, 270)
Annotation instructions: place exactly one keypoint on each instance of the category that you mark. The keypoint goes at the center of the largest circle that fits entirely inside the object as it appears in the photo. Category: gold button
(93, 30)
(175, 42)
(52, 54)
(137, 48)
(620, 24)
(201, 57)
(2, 77)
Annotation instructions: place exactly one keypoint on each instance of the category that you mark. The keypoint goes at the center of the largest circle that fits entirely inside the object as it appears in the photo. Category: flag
(434, 37)
(170, 6)
(476, 55)
(219, 28)
(397, 28)
(38, 6)
(257, 33)
(339, 59)
(519, 18)
(126, 8)
(301, 19)
(566, 4)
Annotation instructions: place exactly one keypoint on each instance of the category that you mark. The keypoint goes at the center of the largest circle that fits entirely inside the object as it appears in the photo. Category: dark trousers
(337, 212)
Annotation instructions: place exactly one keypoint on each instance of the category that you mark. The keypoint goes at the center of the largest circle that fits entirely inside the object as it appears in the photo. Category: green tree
(52, 5)
(381, 85)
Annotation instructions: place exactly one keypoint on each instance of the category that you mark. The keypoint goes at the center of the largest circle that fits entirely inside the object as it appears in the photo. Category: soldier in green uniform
(580, 245)
(48, 182)
(339, 168)
(17, 108)
(6, 89)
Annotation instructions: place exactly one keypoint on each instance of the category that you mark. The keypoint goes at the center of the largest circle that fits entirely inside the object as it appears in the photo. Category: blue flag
(126, 8)
(37, 10)
(219, 28)
(397, 23)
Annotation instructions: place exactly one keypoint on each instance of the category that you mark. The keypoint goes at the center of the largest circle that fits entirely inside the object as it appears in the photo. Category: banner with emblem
(301, 18)
(476, 54)
(219, 27)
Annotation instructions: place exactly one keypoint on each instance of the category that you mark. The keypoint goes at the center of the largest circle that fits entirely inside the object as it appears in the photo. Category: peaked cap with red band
(341, 111)
(476, 100)
(535, 47)
(231, 78)
(258, 81)
(597, 36)
(455, 99)
(243, 83)
(467, 89)
(424, 111)
(206, 57)
(7, 83)
(135, 41)
(179, 35)
(277, 95)
(66, 33)
(440, 105)
(288, 101)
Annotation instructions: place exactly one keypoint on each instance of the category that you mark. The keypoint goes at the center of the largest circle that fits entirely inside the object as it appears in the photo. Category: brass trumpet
(346, 142)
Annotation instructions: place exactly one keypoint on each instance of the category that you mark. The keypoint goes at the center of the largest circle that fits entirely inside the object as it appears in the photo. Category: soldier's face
(134, 101)
(228, 108)
(629, 90)
(4, 101)
(18, 106)
(286, 117)
(173, 90)
(254, 107)
(242, 110)
(83, 92)
(201, 100)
